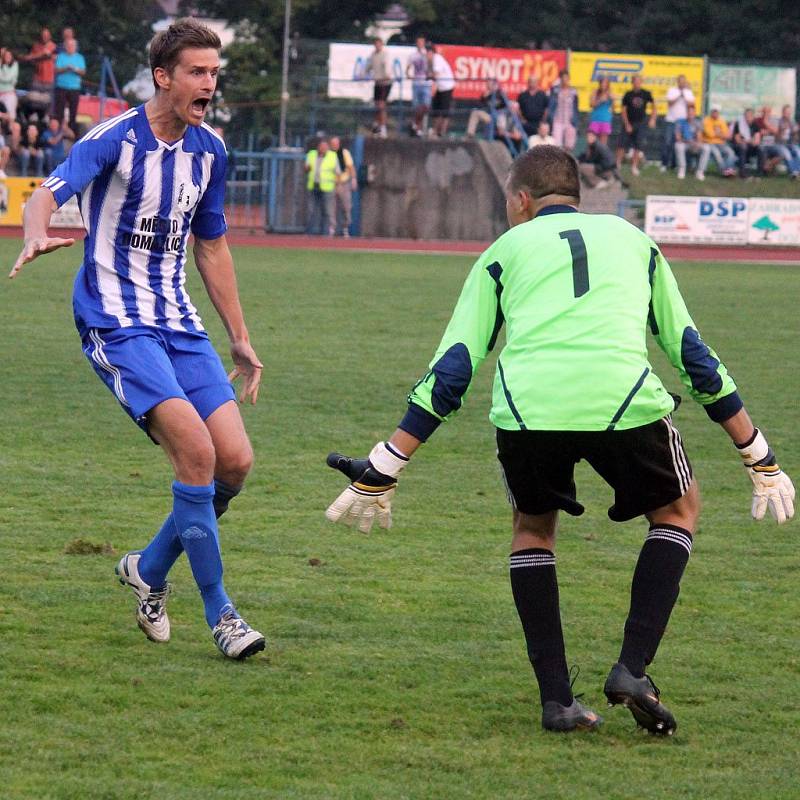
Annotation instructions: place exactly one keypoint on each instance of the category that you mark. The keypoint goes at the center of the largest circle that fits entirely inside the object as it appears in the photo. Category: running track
(675, 252)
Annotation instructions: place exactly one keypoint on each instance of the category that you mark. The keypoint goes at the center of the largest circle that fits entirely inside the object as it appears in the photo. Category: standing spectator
(30, 150)
(70, 69)
(689, 138)
(443, 99)
(417, 70)
(322, 167)
(635, 122)
(596, 165)
(745, 140)
(346, 184)
(769, 154)
(9, 75)
(42, 56)
(52, 141)
(532, 106)
(562, 111)
(787, 141)
(678, 99)
(5, 155)
(66, 35)
(716, 133)
(379, 68)
(542, 136)
(602, 103)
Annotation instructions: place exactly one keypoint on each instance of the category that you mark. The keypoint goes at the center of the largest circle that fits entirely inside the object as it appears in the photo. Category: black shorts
(440, 107)
(646, 467)
(381, 91)
(634, 139)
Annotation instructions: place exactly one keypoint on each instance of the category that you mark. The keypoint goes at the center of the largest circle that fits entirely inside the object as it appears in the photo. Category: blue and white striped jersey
(139, 198)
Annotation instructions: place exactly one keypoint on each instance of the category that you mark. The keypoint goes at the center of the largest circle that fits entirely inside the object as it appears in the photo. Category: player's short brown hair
(545, 170)
(166, 46)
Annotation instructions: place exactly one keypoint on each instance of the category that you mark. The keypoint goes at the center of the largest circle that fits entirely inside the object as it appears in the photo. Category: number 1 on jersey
(580, 263)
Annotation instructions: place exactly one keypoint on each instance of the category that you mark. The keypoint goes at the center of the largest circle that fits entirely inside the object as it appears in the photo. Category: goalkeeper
(577, 294)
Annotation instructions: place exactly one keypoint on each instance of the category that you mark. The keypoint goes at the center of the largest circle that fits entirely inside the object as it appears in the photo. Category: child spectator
(602, 103)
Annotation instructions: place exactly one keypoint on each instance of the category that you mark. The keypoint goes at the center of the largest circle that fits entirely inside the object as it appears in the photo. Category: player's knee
(196, 459)
(234, 467)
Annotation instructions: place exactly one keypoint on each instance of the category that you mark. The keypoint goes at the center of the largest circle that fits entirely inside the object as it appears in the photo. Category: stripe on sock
(670, 535)
(532, 560)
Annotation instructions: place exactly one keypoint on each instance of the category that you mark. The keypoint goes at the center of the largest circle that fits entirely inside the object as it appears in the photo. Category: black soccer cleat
(563, 719)
(641, 697)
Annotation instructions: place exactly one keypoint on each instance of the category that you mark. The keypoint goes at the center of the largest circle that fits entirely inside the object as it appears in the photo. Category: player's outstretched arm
(36, 220)
(372, 482)
(215, 264)
(772, 487)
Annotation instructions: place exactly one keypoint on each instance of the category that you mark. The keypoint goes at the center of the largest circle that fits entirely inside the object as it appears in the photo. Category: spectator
(769, 154)
(787, 141)
(322, 167)
(542, 136)
(5, 155)
(716, 133)
(602, 103)
(66, 35)
(417, 70)
(70, 69)
(52, 142)
(532, 106)
(745, 140)
(635, 122)
(597, 165)
(30, 149)
(491, 100)
(443, 98)
(9, 75)
(689, 138)
(379, 68)
(678, 99)
(42, 56)
(346, 184)
(562, 111)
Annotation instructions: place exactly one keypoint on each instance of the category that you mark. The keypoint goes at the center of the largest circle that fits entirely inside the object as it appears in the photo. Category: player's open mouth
(200, 105)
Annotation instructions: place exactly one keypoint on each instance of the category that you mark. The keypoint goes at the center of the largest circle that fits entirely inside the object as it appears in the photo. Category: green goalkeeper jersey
(577, 294)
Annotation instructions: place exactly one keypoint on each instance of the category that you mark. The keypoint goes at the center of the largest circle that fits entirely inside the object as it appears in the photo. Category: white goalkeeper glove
(369, 496)
(771, 485)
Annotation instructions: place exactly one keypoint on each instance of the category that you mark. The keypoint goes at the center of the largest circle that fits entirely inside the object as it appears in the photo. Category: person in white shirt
(678, 99)
(542, 136)
(443, 99)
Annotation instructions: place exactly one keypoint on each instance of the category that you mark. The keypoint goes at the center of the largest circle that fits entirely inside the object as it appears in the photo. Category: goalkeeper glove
(370, 493)
(771, 486)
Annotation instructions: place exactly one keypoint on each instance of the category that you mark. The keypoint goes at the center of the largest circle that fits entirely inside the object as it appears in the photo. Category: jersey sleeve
(470, 335)
(209, 218)
(700, 369)
(87, 160)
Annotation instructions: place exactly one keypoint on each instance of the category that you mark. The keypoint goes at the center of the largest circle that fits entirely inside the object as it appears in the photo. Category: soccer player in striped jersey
(577, 294)
(145, 181)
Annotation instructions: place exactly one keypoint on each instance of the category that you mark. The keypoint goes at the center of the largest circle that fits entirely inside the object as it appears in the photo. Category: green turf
(396, 667)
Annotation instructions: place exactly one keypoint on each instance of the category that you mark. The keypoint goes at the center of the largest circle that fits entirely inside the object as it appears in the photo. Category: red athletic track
(675, 252)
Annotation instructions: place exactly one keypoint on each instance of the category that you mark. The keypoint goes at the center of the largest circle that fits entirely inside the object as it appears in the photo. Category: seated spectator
(689, 139)
(491, 99)
(769, 154)
(745, 140)
(597, 164)
(542, 136)
(716, 133)
(787, 141)
(532, 106)
(52, 141)
(30, 150)
(9, 75)
(602, 102)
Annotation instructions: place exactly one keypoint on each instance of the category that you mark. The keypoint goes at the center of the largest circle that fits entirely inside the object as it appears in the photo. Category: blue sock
(196, 523)
(165, 548)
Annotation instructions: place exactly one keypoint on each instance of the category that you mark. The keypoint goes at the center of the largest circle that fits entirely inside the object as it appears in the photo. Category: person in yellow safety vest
(322, 167)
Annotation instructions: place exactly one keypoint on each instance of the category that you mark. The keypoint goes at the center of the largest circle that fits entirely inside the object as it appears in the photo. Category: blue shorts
(144, 366)
(421, 95)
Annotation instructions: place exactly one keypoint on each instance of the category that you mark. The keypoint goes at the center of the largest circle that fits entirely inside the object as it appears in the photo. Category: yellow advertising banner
(14, 193)
(658, 73)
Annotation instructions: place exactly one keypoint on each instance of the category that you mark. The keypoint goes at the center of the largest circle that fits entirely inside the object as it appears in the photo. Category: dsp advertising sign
(659, 73)
(473, 66)
(697, 220)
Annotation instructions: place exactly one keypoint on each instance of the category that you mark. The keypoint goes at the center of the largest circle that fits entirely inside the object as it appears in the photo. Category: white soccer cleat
(151, 611)
(235, 638)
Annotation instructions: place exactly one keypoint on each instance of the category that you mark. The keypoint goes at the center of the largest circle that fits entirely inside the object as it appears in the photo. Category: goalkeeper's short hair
(546, 170)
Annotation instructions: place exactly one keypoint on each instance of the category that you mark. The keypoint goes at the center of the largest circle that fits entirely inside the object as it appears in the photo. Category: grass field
(396, 666)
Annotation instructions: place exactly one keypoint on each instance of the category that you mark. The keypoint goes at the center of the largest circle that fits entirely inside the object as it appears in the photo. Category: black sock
(535, 588)
(223, 494)
(654, 590)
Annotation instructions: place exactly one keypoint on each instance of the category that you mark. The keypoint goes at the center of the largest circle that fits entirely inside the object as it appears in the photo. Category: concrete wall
(422, 189)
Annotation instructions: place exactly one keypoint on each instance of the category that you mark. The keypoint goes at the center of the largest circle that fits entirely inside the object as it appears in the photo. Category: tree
(767, 225)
